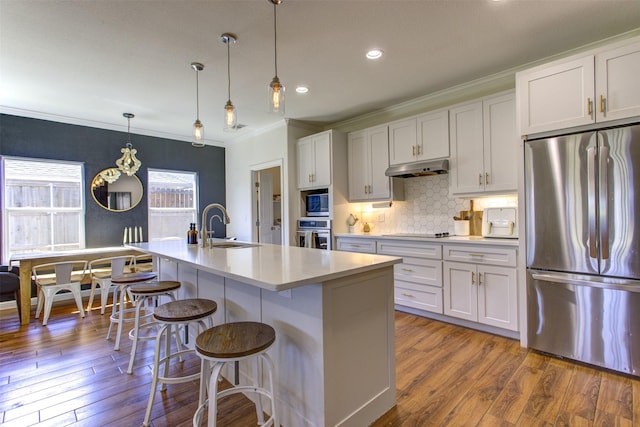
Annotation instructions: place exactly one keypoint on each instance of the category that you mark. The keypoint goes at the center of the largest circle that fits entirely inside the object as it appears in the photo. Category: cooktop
(430, 235)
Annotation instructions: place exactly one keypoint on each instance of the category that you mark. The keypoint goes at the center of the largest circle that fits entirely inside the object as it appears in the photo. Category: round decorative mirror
(116, 191)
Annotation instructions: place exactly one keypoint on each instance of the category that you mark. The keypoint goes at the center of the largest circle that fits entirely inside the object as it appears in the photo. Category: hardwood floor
(67, 374)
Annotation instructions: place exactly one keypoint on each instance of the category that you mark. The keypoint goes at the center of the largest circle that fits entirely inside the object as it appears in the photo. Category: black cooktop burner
(430, 235)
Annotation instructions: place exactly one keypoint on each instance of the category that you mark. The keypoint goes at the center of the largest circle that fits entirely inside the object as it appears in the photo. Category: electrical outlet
(381, 217)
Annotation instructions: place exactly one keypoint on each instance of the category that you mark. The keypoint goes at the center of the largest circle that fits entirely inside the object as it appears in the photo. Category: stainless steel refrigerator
(583, 246)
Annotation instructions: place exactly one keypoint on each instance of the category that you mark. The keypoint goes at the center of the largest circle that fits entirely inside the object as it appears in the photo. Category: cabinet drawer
(420, 271)
(356, 245)
(410, 249)
(481, 255)
(428, 298)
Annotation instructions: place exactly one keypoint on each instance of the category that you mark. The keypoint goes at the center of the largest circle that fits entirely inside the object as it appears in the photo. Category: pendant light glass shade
(198, 127)
(276, 89)
(128, 163)
(230, 116)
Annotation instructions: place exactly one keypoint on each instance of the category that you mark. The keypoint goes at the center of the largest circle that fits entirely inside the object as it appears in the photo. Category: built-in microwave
(318, 204)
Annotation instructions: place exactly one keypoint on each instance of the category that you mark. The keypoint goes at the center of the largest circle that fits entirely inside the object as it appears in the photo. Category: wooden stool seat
(141, 292)
(140, 276)
(157, 286)
(122, 283)
(185, 310)
(234, 340)
(174, 318)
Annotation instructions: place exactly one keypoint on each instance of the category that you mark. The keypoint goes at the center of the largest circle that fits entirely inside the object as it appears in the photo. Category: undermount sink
(229, 245)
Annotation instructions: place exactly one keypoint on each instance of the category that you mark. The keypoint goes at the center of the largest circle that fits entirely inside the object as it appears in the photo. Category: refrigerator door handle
(591, 182)
(603, 153)
(591, 281)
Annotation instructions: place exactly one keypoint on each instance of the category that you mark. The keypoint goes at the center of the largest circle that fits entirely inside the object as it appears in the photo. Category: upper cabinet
(484, 145)
(422, 137)
(596, 87)
(314, 161)
(368, 157)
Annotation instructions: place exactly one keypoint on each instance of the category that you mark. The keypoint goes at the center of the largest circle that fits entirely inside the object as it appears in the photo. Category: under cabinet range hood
(425, 168)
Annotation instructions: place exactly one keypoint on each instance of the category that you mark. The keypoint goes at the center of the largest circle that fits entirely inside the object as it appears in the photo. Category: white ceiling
(88, 61)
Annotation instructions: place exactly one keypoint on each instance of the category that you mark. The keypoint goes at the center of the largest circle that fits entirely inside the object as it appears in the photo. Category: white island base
(335, 345)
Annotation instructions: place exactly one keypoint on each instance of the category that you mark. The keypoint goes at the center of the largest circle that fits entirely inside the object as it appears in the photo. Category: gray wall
(98, 149)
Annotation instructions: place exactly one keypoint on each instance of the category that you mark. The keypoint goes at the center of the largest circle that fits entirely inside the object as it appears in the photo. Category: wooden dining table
(26, 262)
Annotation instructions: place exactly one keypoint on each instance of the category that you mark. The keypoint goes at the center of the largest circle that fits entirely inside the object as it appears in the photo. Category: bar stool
(171, 316)
(234, 342)
(140, 292)
(122, 283)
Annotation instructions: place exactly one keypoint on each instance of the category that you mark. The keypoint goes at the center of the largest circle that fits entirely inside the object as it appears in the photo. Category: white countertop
(475, 240)
(271, 267)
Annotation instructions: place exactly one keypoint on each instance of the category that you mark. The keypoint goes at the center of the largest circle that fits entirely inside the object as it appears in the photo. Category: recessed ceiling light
(302, 89)
(374, 54)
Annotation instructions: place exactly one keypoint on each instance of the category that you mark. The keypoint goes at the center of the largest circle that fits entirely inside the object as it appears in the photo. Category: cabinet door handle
(589, 106)
(486, 178)
(475, 254)
(413, 148)
(603, 104)
(407, 295)
(479, 279)
(407, 270)
(418, 150)
(479, 179)
(473, 278)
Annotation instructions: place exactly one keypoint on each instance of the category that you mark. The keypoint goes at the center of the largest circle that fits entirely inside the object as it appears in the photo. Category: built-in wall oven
(314, 233)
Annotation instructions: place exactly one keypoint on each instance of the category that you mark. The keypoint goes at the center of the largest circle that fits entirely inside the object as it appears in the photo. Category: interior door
(265, 209)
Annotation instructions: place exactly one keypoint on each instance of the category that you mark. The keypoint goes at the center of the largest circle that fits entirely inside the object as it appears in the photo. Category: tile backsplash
(427, 208)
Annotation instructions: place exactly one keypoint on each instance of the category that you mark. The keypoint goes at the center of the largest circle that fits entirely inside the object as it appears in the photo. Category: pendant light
(198, 127)
(230, 116)
(276, 89)
(128, 163)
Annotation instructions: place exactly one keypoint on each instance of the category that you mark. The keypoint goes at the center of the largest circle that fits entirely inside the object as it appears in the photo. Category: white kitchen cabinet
(355, 244)
(596, 87)
(423, 137)
(477, 289)
(368, 159)
(484, 145)
(314, 161)
(418, 279)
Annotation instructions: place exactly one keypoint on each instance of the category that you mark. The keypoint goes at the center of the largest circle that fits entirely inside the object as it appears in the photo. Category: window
(44, 206)
(173, 203)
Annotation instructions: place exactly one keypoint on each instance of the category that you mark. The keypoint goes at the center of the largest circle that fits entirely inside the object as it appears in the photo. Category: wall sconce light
(128, 163)
(230, 116)
(198, 127)
(276, 89)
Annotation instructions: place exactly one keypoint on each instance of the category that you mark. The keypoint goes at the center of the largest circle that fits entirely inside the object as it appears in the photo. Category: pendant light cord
(229, 69)
(275, 38)
(197, 97)
(129, 131)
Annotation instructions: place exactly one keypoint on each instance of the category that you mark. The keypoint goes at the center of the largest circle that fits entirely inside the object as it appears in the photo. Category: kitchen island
(333, 313)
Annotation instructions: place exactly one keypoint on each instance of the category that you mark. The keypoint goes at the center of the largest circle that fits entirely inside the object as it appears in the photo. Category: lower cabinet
(477, 291)
(354, 244)
(418, 279)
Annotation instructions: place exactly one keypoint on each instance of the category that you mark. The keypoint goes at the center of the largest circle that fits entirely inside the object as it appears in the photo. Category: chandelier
(128, 163)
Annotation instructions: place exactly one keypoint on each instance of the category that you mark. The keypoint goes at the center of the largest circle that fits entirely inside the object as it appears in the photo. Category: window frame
(152, 211)
(50, 211)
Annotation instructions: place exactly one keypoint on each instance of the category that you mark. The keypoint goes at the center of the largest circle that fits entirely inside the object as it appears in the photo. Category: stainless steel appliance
(317, 204)
(583, 247)
(500, 222)
(314, 233)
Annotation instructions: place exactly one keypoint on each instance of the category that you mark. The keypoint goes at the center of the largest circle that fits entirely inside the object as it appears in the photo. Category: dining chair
(54, 277)
(10, 283)
(101, 271)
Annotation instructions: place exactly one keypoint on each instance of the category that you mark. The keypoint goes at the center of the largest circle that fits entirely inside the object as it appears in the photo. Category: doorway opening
(267, 202)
